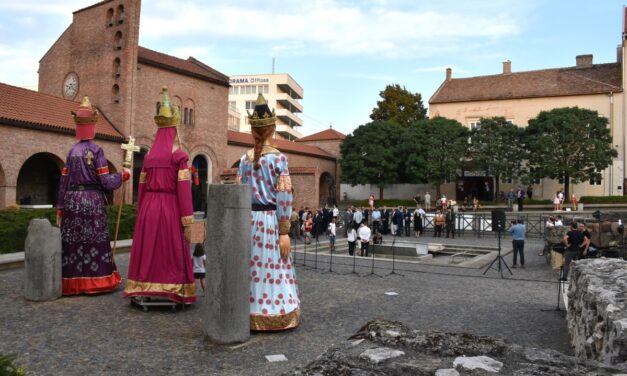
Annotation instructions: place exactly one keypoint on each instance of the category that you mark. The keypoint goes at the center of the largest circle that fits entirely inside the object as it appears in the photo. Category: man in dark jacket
(398, 221)
(407, 216)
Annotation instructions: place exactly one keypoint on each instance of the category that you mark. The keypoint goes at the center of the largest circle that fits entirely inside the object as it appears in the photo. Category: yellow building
(520, 96)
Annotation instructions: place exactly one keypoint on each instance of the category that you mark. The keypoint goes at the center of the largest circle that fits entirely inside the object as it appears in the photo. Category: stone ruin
(597, 310)
(391, 348)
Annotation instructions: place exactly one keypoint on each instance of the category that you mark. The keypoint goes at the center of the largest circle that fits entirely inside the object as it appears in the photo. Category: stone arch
(327, 190)
(178, 101)
(38, 180)
(109, 20)
(200, 166)
(189, 110)
(138, 163)
(116, 67)
(115, 93)
(3, 188)
(109, 195)
(119, 14)
(212, 160)
(117, 40)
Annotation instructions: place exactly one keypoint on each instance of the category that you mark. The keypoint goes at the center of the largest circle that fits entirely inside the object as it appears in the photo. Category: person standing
(573, 241)
(331, 232)
(160, 265)
(371, 201)
(364, 236)
(573, 201)
(376, 220)
(348, 220)
(294, 226)
(417, 199)
(561, 196)
(407, 217)
(351, 236)
(488, 191)
(336, 212)
(510, 199)
(398, 221)
(427, 197)
(385, 220)
(518, 242)
(450, 223)
(520, 196)
(529, 191)
(438, 223)
(308, 227)
(199, 262)
(274, 300)
(357, 218)
(87, 261)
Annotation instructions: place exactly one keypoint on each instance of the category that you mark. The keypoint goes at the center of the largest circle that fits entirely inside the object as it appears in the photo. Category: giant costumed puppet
(161, 265)
(88, 265)
(274, 301)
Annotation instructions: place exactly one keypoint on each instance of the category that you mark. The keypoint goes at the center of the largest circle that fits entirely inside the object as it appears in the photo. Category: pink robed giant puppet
(161, 264)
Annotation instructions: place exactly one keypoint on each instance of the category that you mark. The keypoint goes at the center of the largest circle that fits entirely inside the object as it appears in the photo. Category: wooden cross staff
(129, 150)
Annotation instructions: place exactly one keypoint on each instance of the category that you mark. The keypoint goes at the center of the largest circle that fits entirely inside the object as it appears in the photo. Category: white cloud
(330, 26)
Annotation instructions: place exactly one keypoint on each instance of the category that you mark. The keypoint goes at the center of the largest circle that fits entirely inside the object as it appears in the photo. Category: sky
(342, 52)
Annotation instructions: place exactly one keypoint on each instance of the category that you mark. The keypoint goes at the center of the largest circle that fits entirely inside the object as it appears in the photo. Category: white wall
(394, 191)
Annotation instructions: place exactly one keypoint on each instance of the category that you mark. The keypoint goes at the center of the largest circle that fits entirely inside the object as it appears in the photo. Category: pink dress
(160, 264)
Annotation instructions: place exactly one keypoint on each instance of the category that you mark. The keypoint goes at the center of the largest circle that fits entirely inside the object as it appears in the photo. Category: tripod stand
(559, 292)
(354, 256)
(394, 259)
(372, 273)
(500, 260)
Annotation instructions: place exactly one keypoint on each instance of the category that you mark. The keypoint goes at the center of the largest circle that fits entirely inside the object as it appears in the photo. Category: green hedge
(604, 199)
(14, 225)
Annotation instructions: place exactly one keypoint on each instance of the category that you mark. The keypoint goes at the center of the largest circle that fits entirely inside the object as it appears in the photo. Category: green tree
(496, 147)
(570, 143)
(370, 155)
(434, 150)
(399, 106)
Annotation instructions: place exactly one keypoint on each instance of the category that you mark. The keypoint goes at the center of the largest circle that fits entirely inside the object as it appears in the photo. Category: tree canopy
(571, 143)
(434, 150)
(398, 105)
(371, 155)
(496, 146)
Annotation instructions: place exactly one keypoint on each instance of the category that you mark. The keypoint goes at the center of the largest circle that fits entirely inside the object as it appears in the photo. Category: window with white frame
(474, 124)
(596, 177)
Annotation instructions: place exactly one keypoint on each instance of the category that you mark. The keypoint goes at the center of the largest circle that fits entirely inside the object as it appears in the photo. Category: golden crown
(169, 114)
(84, 107)
(261, 116)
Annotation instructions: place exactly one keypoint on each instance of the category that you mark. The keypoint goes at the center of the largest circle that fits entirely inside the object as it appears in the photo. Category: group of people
(161, 265)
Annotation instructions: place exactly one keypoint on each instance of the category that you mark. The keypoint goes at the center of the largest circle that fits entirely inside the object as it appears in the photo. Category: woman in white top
(352, 238)
(556, 201)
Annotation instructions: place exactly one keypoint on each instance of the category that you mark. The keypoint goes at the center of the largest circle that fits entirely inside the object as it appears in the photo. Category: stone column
(227, 245)
(42, 261)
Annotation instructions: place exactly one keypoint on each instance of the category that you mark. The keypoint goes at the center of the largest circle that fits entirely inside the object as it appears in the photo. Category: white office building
(281, 91)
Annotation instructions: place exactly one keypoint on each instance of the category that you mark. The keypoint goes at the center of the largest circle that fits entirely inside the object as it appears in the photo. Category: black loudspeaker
(498, 220)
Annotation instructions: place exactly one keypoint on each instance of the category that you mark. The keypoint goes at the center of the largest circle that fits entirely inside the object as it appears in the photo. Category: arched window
(109, 20)
(120, 14)
(185, 116)
(116, 67)
(118, 40)
(158, 107)
(190, 117)
(115, 93)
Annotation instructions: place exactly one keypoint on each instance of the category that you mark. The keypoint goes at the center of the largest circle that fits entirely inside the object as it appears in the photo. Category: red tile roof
(326, 135)
(27, 108)
(598, 78)
(246, 139)
(190, 67)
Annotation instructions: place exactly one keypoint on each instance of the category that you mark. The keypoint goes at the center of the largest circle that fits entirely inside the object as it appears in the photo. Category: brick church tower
(97, 56)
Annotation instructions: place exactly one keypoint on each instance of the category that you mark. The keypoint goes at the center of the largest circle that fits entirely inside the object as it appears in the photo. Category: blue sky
(342, 52)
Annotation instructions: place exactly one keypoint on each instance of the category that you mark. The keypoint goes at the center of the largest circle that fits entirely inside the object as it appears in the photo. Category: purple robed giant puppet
(88, 265)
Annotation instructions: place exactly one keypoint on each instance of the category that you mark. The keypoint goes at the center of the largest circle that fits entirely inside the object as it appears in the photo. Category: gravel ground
(105, 335)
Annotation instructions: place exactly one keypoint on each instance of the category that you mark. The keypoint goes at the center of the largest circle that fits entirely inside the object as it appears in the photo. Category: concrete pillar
(42, 261)
(227, 245)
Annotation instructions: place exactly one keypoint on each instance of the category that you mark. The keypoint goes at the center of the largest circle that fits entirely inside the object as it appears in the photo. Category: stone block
(226, 316)
(42, 261)
(597, 310)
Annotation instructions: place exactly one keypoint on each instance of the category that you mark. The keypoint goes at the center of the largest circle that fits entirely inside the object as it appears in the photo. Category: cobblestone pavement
(105, 335)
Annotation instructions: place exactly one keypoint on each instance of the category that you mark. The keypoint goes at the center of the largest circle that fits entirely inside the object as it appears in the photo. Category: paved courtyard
(105, 335)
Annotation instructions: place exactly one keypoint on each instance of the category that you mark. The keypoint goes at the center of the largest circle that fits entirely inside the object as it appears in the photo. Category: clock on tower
(70, 85)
